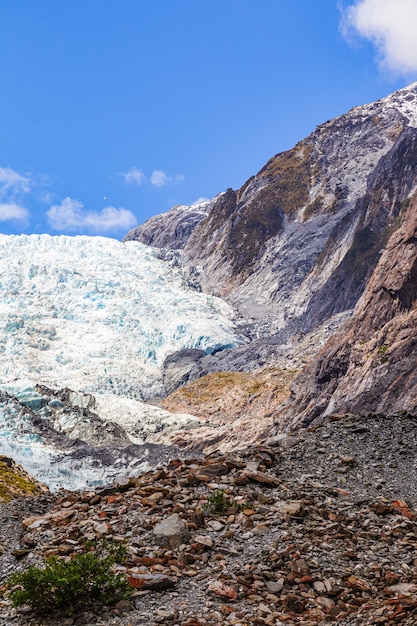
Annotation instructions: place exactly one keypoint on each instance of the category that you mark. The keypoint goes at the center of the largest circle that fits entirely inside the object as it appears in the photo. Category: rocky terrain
(15, 482)
(311, 528)
(234, 408)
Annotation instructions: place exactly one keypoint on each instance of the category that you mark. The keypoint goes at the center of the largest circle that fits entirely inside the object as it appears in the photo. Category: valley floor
(313, 528)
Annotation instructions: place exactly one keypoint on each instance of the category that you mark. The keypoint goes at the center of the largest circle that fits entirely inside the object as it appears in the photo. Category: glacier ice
(98, 317)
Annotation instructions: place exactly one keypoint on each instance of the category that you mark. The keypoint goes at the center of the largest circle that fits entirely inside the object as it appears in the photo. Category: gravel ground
(318, 527)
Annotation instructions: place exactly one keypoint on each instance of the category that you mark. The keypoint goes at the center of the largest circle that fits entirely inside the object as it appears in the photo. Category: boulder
(171, 531)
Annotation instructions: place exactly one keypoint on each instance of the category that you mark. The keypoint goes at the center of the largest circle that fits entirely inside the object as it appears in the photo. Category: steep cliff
(298, 242)
(370, 364)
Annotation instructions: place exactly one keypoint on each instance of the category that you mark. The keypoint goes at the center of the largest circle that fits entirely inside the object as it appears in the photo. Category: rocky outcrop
(181, 367)
(15, 482)
(232, 406)
(298, 242)
(172, 229)
(370, 364)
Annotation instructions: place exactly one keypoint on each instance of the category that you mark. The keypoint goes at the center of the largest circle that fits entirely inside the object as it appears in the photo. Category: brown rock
(299, 567)
(391, 578)
(327, 603)
(258, 477)
(358, 584)
(293, 603)
(155, 582)
(223, 590)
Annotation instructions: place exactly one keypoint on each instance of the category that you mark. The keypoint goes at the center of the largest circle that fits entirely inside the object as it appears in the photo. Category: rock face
(294, 248)
(171, 229)
(370, 365)
(181, 367)
(232, 406)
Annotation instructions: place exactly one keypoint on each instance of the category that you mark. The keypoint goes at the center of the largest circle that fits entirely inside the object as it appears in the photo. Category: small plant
(217, 502)
(72, 585)
(381, 350)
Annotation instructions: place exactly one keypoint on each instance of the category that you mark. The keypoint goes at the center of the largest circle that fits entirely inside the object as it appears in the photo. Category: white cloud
(10, 180)
(110, 218)
(160, 179)
(391, 26)
(69, 216)
(13, 212)
(12, 186)
(134, 175)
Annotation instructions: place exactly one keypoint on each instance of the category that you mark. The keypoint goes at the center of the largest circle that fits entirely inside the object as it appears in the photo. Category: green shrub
(72, 585)
(217, 502)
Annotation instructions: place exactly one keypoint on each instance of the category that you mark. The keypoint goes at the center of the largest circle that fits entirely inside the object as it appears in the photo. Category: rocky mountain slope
(15, 482)
(321, 229)
(370, 364)
(317, 255)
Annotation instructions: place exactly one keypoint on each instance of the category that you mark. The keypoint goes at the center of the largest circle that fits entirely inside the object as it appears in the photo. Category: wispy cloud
(390, 26)
(9, 211)
(160, 179)
(13, 186)
(12, 181)
(69, 216)
(134, 176)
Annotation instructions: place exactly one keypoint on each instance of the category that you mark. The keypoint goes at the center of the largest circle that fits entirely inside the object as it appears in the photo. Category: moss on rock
(15, 482)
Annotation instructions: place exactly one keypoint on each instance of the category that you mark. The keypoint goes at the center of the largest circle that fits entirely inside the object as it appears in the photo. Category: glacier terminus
(86, 324)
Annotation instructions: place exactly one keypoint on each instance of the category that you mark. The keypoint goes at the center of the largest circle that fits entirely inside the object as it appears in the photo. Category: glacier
(86, 324)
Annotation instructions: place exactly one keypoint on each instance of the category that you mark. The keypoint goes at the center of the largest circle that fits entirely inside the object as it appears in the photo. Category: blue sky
(112, 111)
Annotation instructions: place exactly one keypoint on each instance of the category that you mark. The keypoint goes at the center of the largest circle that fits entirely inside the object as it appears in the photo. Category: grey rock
(295, 247)
(181, 367)
(171, 531)
(172, 229)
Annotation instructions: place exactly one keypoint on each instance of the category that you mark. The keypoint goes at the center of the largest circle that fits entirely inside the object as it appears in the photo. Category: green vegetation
(381, 350)
(72, 585)
(217, 503)
(14, 482)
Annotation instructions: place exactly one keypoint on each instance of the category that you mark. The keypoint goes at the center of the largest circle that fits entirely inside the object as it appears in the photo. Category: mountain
(265, 308)
(321, 229)
(273, 328)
